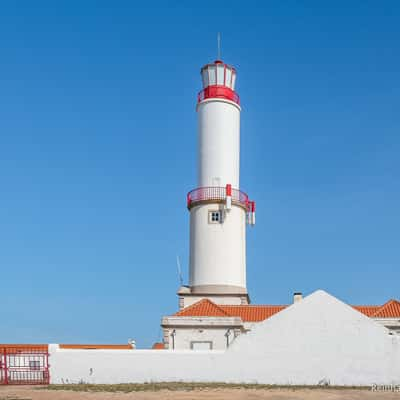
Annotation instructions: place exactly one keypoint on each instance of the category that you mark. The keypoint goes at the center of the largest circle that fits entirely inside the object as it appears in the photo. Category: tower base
(218, 294)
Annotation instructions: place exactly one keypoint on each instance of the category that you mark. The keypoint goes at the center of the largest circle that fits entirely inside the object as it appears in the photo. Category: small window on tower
(214, 217)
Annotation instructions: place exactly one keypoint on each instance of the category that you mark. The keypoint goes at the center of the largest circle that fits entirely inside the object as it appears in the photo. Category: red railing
(219, 92)
(216, 193)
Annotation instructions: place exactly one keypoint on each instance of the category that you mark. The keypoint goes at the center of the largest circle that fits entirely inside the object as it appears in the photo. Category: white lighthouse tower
(219, 210)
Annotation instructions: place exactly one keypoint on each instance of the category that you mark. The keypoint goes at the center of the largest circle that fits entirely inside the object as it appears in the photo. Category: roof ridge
(191, 306)
(198, 303)
(366, 305)
(219, 308)
(254, 305)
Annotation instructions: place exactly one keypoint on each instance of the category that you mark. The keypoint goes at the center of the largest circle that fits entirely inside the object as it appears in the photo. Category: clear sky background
(98, 150)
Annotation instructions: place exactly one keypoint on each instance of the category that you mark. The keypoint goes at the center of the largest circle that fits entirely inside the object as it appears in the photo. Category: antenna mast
(219, 46)
(178, 264)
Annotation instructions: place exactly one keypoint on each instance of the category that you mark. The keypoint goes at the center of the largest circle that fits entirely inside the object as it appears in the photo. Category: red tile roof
(96, 346)
(252, 313)
(248, 313)
(367, 310)
(257, 313)
(158, 346)
(25, 347)
(203, 308)
(391, 309)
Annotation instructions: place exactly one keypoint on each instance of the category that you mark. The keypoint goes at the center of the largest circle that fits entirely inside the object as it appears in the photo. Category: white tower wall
(218, 143)
(218, 250)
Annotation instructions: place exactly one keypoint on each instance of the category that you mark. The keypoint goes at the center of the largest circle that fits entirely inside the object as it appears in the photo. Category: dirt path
(34, 393)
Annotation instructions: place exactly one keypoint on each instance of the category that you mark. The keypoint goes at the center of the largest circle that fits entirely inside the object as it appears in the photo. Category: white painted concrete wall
(390, 323)
(121, 366)
(319, 339)
(181, 332)
(185, 336)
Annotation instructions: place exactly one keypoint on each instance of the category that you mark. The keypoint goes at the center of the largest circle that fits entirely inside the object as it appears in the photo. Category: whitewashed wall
(318, 340)
(184, 337)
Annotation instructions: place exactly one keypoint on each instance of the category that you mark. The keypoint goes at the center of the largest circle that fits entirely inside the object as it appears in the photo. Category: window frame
(211, 219)
(192, 342)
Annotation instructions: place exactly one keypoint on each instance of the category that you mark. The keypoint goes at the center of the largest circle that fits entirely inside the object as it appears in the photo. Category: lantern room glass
(212, 69)
(218, 74)
(228, 77)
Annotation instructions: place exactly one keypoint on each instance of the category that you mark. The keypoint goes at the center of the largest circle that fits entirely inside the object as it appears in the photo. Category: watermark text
(385, 388)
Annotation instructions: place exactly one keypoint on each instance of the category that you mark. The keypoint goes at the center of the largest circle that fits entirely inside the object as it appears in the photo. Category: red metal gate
(24, 365)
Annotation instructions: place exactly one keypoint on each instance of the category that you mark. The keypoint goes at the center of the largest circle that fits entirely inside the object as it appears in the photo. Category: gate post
(5, 367)
(47, 370)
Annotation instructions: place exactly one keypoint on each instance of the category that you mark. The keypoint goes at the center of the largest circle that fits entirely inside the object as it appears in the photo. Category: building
(219, 210)
(215, 326)
(214, 309)
(316, 341)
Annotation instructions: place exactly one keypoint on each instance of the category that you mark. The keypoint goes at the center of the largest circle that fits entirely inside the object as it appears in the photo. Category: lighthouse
(214, 307)
(219, 210)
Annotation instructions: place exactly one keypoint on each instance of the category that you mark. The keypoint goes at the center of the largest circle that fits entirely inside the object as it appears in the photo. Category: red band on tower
(218, 92)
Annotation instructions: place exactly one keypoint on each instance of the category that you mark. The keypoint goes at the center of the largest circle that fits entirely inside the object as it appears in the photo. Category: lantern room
(218, 82)
(219, 74)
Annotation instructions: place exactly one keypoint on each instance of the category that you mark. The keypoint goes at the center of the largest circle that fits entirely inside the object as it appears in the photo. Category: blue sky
(98, 150)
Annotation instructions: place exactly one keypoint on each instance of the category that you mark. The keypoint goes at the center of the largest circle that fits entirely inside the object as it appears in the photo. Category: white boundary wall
(318, 340)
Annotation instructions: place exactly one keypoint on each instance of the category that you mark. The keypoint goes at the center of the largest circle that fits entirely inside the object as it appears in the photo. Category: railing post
(253, 213)
(228, 196)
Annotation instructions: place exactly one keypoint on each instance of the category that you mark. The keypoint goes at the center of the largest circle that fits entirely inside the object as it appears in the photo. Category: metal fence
(24, 365)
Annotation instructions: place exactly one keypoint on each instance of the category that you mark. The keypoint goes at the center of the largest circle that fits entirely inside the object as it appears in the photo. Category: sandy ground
(35, 393)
